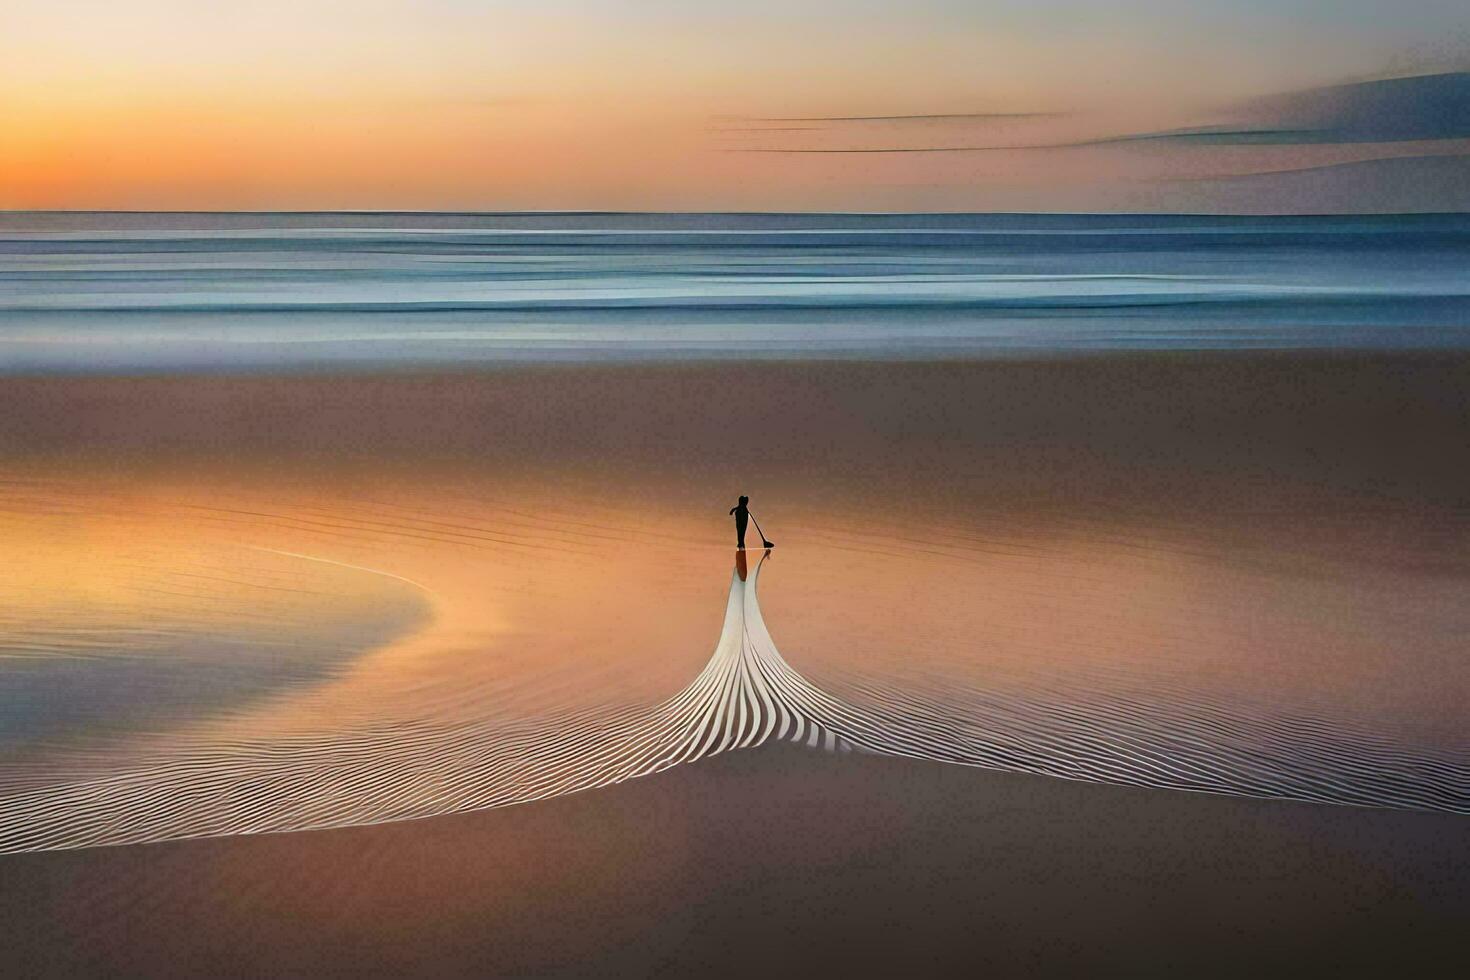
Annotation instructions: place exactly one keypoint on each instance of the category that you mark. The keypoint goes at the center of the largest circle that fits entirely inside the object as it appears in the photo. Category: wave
(1116, 302)
(176, 292)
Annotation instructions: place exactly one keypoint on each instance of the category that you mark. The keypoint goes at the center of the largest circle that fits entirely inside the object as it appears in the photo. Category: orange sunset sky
(450, 104)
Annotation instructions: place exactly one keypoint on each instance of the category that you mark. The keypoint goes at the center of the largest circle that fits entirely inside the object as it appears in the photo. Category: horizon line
(593, 212)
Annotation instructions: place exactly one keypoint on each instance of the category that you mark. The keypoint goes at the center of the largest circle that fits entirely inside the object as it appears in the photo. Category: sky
(696, 105)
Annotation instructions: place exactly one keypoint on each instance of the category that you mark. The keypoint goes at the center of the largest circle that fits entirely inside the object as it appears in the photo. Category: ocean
(84, 292)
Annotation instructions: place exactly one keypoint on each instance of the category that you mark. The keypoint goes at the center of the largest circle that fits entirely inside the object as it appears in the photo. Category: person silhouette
(742, 517)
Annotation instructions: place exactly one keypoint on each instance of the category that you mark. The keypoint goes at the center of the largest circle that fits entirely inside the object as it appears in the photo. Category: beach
(779, 860)
(1244, 571)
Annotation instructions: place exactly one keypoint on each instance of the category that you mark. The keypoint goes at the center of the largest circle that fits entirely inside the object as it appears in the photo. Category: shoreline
(598, 361)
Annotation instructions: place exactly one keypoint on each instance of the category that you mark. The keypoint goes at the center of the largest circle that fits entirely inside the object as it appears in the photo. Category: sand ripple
(746, 695)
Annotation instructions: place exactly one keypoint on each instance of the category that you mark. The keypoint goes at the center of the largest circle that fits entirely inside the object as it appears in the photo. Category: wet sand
(1249, 567)
(775, 861)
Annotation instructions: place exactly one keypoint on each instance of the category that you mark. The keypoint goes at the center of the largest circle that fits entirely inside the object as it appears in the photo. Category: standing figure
(742, 517)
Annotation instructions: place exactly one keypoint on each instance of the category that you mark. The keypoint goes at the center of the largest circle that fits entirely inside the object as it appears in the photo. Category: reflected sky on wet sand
(407, 628)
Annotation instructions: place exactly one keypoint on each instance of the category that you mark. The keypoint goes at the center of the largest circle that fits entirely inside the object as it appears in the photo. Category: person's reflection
(741, 568)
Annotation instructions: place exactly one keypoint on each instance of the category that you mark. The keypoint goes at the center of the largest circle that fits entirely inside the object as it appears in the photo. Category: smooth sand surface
(1273, 540)
(775, 861)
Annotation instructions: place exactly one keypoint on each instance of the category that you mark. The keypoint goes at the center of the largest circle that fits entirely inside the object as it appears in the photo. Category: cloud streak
(1344, 167)
(912, 117)
(1416, 109)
